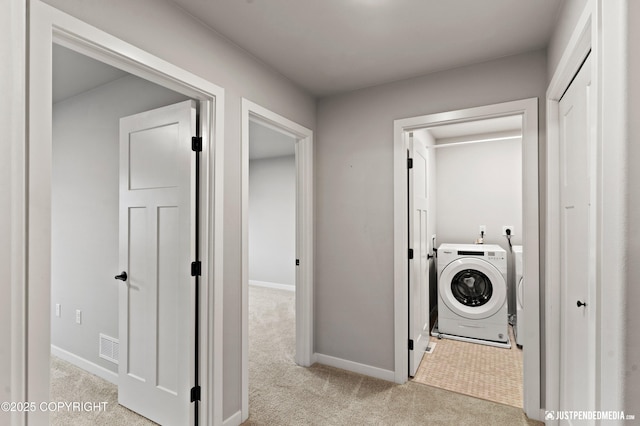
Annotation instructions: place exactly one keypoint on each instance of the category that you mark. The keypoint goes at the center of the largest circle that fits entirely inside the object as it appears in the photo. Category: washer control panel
(492, 255)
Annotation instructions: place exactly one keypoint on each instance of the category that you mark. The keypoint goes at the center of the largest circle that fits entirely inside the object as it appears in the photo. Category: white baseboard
(355, 367)
(89, 366)
(233, 420)
(267, 284)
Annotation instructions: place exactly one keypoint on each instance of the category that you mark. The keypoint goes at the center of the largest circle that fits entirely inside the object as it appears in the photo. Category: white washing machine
(472, 291)
(518, 325)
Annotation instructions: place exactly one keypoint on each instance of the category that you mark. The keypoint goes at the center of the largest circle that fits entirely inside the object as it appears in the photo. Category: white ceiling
(331, 46)
(265, 142)
(74, 73)
(502, 125)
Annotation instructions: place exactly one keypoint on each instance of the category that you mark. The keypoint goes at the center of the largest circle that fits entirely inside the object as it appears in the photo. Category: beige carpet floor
(281, 393)
(482, 371)
(70, 383)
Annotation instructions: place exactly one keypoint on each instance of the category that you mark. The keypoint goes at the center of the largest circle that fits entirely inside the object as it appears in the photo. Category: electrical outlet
(504, 230)
(58, 310)
(483, 229)
(78, 316)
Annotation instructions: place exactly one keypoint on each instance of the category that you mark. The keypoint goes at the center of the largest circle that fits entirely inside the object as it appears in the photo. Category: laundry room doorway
(484, 189)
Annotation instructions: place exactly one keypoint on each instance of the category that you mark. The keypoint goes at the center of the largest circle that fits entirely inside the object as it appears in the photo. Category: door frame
(304, 235)
(599, 29)
(47, 26)
(528, 108)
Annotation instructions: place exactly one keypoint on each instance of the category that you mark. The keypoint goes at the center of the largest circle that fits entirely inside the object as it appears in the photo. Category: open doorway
(272, 255)
(277, 174)
(90, 309)
(57, 29)
(472, 191)
(526, 113)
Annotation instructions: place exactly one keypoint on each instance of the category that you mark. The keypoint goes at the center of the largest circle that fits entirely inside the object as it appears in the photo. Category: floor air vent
(109, 348)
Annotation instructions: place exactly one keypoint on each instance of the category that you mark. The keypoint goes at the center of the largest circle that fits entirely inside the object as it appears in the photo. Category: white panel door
(419, 265)
(576, 239)
(156, 248)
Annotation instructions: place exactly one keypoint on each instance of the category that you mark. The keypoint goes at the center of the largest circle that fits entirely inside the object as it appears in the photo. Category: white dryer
(472, 291)
(518, 325)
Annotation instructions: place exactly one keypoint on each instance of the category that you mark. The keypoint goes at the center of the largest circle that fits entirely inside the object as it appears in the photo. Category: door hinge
(410, 344)
(409, 163)
(297, 262)
(196, 143)
(410, 253)
(196, 269)
(195, 393)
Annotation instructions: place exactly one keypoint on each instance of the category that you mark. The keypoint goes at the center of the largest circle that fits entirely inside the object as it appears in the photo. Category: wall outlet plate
(78, 316)
(504, 230)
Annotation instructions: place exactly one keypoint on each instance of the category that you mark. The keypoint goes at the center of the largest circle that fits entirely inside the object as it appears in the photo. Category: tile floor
(481, 371)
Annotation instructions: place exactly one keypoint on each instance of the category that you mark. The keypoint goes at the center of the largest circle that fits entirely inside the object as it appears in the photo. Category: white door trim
(304, 236)
(528, 108)
(600, 29)
(49, 25)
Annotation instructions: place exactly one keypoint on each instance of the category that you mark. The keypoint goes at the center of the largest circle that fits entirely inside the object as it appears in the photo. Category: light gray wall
(632, 379)
(567, 19)
(354, 194)
(12, 122)
(272, 220)
(481, 184)
(84, 245)
(164, 30)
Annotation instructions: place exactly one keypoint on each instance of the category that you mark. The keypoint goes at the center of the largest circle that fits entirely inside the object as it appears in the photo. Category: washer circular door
(472, 288)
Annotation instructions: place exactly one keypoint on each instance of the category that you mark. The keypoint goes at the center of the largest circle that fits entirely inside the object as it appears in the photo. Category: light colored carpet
(70, 383)
(281, 393)
(482, 371)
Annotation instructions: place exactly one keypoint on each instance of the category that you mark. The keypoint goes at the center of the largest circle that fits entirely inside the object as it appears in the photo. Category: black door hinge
(196, 269)
(297, 262)
(410, 253)
(196, 143)
(409, 163)
(195, 393)
(410, 344)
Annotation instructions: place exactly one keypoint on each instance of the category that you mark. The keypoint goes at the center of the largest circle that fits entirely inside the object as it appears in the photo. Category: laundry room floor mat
(481, 371)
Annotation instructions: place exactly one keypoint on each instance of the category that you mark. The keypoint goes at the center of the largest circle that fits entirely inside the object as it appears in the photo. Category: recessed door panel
(156, 249)
(153, 159)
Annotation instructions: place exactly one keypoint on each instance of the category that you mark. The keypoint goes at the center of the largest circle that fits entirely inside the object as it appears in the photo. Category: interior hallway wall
(163, 29)
(85, 199)
(567, 20)
(354, 194)
(12, 122)
(272, 220)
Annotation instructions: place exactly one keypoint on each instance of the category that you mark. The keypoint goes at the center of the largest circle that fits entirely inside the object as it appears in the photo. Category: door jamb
(304, 236)
(528, 108)
(49, 25)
